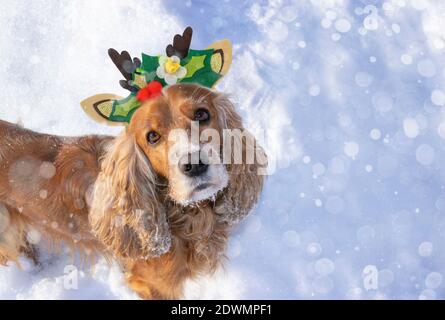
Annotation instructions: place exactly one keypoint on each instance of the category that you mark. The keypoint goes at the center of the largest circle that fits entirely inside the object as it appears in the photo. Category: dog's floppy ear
(126, 214)
(244, 188)
(246, 174)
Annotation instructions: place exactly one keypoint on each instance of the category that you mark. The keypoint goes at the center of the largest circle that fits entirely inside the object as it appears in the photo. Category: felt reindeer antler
(181, 44)
(145, 78)
(126, 66)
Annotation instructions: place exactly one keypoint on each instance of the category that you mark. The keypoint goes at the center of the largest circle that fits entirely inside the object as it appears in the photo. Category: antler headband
(145, 78)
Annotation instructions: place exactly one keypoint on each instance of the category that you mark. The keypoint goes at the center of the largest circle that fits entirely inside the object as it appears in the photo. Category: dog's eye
(153, 137)
(202, 115)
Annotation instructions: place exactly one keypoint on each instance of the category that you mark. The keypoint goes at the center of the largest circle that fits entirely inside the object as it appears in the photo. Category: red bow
(152, 90)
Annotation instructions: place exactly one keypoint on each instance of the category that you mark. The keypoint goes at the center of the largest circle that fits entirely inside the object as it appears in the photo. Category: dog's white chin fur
(189, 191)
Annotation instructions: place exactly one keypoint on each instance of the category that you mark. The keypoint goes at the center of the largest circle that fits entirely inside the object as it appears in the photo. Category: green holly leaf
(194, 64)
(149, 63)
(124, 109)
(201, 69)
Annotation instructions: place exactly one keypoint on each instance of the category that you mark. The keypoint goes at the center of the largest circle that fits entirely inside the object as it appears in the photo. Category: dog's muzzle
(195, 177)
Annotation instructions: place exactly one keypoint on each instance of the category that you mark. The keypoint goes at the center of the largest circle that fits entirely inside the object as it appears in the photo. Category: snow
(441, 130)
(438, 97)
(314, 90)
(411, 127)
(363, 79)
(425, 154)
(351, 149)
(324, 266)
(291, 239)
(318, 169)
(433, 280)
(348, 96)
(425, 249)
(375, 134)
(342, 25)
(426, 68)
(406, 59)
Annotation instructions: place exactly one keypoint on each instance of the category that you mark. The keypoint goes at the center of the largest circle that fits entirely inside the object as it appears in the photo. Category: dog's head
(164, 129)
(156, 160)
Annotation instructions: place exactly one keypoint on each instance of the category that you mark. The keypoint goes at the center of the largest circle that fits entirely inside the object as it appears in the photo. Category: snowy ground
(351, 95)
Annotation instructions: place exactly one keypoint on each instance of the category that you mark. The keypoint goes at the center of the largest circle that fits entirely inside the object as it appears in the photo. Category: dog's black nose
(192, 166)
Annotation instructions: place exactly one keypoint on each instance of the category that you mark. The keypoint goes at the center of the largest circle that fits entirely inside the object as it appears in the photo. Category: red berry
(155, 87)
(143, 94)
(152, 90)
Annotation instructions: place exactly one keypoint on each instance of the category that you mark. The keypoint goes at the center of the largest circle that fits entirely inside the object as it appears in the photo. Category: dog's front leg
(156, 279)
(13, 240)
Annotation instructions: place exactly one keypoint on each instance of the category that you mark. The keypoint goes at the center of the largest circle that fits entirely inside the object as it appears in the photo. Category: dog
(124, 198)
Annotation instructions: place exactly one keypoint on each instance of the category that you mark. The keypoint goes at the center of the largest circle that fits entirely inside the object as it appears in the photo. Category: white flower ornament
(170, 69)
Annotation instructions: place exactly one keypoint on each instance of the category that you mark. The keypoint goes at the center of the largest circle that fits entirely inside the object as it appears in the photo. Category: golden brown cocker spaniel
(124, 197)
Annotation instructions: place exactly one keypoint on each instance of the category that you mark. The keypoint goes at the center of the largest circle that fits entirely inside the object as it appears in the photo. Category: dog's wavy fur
(100, 194)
